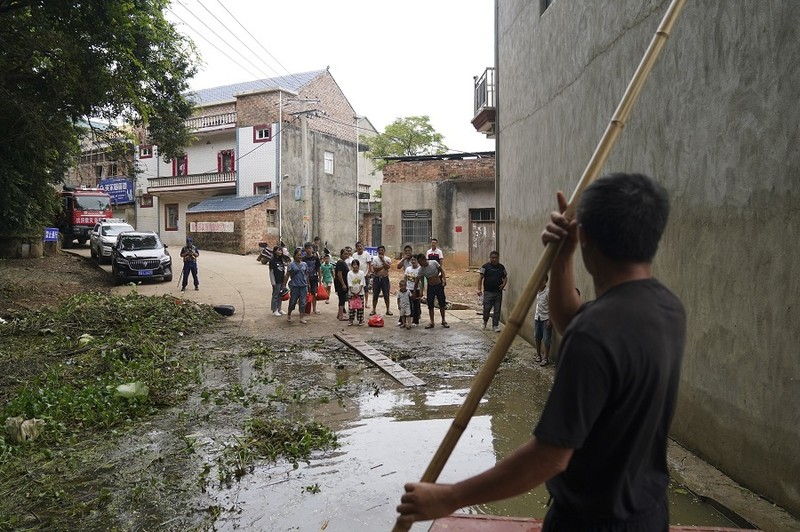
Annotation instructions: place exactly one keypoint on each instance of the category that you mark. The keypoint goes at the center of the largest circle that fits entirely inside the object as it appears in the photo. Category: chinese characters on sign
(51, 234)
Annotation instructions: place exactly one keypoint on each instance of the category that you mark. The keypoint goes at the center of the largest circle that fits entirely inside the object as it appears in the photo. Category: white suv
(104, 235)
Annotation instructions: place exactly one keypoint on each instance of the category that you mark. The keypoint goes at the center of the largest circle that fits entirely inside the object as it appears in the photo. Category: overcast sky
(392, 59)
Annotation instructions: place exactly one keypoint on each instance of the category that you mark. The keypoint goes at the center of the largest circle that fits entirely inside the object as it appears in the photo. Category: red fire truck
(81, 208)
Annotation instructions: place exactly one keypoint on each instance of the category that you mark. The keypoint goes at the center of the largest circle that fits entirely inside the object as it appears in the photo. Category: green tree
(64, 62)
(413, 135)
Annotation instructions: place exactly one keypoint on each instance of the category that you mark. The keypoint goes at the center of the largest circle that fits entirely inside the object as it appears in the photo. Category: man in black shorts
(601, 441)
(434, 275)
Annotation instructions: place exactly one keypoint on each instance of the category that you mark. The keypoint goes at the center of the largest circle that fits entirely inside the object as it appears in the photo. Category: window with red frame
(226, 162)
(145, 201)
(180, 165)
(262, 133)
(146, 151)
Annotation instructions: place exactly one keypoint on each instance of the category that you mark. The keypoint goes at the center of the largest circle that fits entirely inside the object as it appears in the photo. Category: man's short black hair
(421, 256)
(625, 216)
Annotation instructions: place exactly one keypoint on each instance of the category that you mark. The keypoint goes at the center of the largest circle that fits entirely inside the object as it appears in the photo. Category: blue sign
(51, 234)
(372, 251)
(119, 188)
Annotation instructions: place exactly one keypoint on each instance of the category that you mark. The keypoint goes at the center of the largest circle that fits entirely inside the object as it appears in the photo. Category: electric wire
(225, 41)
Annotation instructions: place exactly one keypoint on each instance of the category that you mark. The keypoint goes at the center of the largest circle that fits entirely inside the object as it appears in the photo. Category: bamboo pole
(593, 168)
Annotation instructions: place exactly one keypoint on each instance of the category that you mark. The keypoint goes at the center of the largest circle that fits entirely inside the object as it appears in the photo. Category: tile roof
(291, 82)
(229, 203)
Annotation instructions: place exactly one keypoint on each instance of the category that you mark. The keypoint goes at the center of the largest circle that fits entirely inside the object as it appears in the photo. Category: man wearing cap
(189, 254)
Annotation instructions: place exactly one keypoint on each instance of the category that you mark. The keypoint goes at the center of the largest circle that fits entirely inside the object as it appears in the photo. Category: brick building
(292, 138)
(449, 197)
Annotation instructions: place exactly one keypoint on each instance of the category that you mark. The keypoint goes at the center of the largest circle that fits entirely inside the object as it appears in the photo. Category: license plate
(145, 272)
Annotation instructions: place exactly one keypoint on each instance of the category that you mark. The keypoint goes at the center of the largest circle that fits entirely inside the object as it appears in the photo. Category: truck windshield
(85, 202)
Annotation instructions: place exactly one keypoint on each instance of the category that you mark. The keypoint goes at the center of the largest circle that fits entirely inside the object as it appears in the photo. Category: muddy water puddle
(388, 436)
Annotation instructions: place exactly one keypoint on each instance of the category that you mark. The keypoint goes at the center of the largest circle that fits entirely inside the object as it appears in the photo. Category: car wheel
(94, 254)
(82, 241)
(168, 278)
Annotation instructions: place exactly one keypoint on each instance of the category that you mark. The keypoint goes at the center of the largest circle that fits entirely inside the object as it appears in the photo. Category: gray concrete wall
(328, 200)
(718, 124)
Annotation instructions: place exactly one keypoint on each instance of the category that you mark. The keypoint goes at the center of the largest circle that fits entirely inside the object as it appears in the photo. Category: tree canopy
(65, 62)
(413, 135)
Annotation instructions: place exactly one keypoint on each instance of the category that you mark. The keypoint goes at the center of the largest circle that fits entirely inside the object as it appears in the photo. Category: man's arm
(480, 284)
(442, 275)
(529, 465)
(564, 299)
(504, 282)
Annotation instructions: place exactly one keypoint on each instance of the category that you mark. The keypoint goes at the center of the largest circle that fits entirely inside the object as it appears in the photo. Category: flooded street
(388, 435)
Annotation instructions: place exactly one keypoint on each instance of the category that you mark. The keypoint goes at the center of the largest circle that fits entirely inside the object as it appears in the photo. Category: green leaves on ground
(76, 365)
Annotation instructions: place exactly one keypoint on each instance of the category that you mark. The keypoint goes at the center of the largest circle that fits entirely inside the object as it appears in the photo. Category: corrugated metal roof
(229, 203)
(291, 82)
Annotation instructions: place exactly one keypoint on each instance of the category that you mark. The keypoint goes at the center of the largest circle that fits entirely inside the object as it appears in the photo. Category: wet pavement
(388, 437)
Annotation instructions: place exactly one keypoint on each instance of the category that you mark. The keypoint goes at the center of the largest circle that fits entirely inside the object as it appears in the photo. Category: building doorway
(482, 236)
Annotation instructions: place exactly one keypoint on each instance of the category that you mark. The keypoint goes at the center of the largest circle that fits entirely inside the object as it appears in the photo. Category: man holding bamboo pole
(600, 443)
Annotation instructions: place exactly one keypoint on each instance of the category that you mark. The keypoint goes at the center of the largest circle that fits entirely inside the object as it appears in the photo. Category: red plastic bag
(308, 303)
(375, 321)
(322, 294)
(286, 295)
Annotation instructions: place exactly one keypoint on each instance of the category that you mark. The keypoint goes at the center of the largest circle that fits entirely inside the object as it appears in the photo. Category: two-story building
(287, 144)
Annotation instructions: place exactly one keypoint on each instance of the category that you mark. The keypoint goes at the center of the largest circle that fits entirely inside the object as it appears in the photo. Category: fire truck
(81, 208)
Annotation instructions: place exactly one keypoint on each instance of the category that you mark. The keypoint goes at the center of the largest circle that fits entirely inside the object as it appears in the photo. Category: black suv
(140, 255)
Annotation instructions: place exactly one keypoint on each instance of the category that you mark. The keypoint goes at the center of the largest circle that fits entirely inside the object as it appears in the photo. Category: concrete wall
(449, 189)
(718, 125)
(327, 200)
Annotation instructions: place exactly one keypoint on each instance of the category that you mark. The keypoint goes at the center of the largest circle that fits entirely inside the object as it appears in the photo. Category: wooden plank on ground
(393, 369)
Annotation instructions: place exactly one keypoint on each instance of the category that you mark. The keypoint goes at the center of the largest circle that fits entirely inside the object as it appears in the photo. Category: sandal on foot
(389, 313)
(445, 325)
(372, 313)
(429, 326)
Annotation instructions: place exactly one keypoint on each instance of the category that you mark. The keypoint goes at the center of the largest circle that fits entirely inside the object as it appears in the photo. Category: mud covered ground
(275, 430)
(186, 463)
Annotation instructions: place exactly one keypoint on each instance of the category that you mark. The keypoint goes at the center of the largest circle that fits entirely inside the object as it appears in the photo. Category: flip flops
(429, 326)
(445, 325)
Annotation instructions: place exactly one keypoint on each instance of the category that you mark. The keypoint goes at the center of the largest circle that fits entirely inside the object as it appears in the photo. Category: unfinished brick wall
(435, 170)
(258, 108)
(332, 100)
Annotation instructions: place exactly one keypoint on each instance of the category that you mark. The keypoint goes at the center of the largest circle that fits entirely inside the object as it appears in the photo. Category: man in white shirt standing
(435, 253)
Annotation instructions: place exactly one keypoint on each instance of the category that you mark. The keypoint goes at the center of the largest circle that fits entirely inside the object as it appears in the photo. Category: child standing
(404, 304)
(356, 283)
(327, 274)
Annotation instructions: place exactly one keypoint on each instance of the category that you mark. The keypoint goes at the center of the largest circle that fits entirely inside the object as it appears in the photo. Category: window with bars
(481, 215)
(416, 227)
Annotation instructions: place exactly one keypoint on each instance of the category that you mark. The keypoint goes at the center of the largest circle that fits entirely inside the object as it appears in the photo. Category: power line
(259, 42)
(211, 43)
(221, 39)
(236, 36)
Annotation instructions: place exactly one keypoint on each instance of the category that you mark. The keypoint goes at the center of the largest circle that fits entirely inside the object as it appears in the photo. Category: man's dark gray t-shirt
(612, 401)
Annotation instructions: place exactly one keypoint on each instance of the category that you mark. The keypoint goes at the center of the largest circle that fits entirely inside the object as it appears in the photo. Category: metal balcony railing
(484, 91)
(209, 178)
(211, 121)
